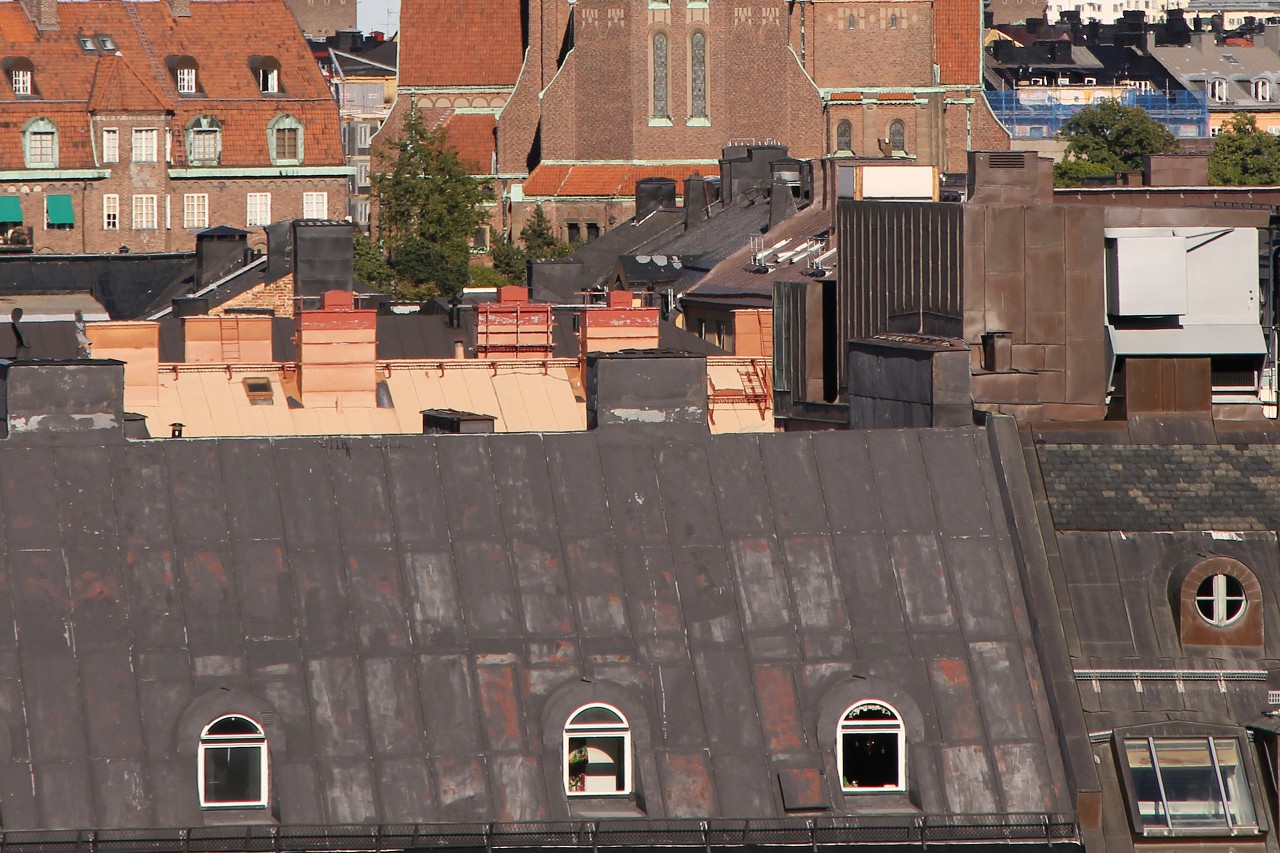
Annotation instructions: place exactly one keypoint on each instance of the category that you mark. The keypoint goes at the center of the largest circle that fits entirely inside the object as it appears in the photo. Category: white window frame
(313, 202)
(269, 81)
(195, 210)
(1219, 600)
(1231, 789)
(1218, 89)
(37, 141)
(853, 728)
(205, 135)
(146, 145)
(111, 212)
(212, 741)
(144, 210)
(620, 731)
(20, 79)
(257, 209)
(186, 80)
(364, 134)
(111, 145)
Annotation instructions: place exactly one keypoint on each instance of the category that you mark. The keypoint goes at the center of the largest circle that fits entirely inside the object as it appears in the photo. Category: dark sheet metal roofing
(599, 257)
(413, 618)
(126, 285)
(1162, 487)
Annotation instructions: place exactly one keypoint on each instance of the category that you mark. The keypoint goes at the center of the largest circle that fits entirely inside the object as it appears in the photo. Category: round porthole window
(1220, 599)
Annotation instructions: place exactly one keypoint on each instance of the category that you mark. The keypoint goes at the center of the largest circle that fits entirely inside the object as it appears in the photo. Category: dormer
(21, 74)
(266, 71)
(185, 72)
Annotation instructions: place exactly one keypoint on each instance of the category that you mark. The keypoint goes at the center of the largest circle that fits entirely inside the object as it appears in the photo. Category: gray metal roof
(413, 617)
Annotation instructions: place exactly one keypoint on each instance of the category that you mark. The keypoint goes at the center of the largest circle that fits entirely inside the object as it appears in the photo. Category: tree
(540, 243)
(428, 212)
(508, 259)
(1111, 135)
(370, 263)
(1244, 156)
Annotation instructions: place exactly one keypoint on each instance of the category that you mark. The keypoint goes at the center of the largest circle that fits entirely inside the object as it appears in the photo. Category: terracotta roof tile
(473, 136)
(895, 96)
(956, 41)
(605, 181)
(71, 82)
(446, 43)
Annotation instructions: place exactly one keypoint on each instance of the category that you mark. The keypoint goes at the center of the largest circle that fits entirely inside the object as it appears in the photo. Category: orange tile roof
(446, 43)
(473, 136)
(956, 41)
(605, 180)
(895, 96)
(71, 82)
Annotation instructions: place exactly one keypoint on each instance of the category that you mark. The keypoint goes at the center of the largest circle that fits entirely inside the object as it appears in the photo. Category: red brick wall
(890, 44)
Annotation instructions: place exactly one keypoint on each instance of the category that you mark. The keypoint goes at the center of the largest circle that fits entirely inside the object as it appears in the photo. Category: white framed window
(204, 146)
(362, 174)
(258, 209)
(40, 143)
(1189, 785)
(597, 752)
(1214, 131)
(269, 77)
(871, 749)
(315, 205)
(1220, 600)
(1262, 89)
(233, 764)
(110, 145)
(145, 144)
(364, 134)
(285, 140)
(1217, 89)
(186, 80)
(42, 147)
(144, 212)
(20, 78)
(111, 213)
(195, 210)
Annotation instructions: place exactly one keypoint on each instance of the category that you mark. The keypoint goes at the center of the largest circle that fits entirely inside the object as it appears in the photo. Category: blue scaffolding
(1036, 113)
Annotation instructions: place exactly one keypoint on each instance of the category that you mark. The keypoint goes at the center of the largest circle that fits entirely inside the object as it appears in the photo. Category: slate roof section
(416, 613)
(126, 285)
(1162, 487)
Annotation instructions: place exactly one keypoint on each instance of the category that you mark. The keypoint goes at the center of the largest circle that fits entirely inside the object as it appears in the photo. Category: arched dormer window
(204, 141)
(233, 764)
(40, 143)
(186, 76)
(660, 107)
(698, 75)
(898, 138)
(1262, 89)
(1218, 89)
(22, 76)
(597, 752)
(1218, 602)
(266, 70)
(284, 139)
(871, 749)
(844, 136)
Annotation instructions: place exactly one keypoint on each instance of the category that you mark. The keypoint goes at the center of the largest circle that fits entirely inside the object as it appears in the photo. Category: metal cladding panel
(322, 258)
(31, 511)
(84, 483)
(417, 616)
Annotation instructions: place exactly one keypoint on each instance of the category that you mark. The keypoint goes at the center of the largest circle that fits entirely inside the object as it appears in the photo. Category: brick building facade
(134, 125)
(666, 84)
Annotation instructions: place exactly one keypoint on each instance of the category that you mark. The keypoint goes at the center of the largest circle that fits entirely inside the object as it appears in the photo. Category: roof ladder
(131, 9)
(229, 332)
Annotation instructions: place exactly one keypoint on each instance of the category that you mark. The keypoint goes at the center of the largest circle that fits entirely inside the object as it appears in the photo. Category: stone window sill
(659, 122)
(698, 121)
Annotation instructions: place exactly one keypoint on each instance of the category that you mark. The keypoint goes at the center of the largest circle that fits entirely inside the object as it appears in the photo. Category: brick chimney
(43, 13)
(513, 327)
(137, 344)
(337, 347)
(227, 339)
(619, 326)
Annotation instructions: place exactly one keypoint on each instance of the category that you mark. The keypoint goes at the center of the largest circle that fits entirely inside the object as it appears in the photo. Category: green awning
(59, 210)
(10, 210)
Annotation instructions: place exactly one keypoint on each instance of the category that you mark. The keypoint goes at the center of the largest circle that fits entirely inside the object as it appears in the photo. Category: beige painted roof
(523, 396)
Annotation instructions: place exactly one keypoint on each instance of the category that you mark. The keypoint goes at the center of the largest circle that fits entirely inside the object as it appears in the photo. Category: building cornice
(263, 172)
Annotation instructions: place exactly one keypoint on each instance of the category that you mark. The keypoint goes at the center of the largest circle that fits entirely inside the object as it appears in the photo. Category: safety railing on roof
(1035, 112)
(912, 830)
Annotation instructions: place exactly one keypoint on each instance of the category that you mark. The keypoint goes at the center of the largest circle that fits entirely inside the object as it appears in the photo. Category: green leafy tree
(508, 260)
(482, 276)
(1244, 156)
(428, 212)
(1111, 135)
(540, 242)
(1071, 173)
(370, 263)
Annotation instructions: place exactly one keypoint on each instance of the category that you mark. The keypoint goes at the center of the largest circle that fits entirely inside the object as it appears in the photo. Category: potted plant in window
(578, 768)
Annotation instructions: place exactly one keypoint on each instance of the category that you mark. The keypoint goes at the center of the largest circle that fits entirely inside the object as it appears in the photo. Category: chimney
(695, 200)
(781, 204)
(219, 251)
(180, 8)
(1271, 37)
(337, 348)
(514, 327)
(454, 422)
(137, 344)
(1034, 25)
(654, 194)
(648, 391)
(619, 326)
(227, 339)
(43, 13)
(67, 401)
(459, 348)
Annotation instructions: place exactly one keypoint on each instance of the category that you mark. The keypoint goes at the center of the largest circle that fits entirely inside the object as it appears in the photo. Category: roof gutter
(920, 831)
